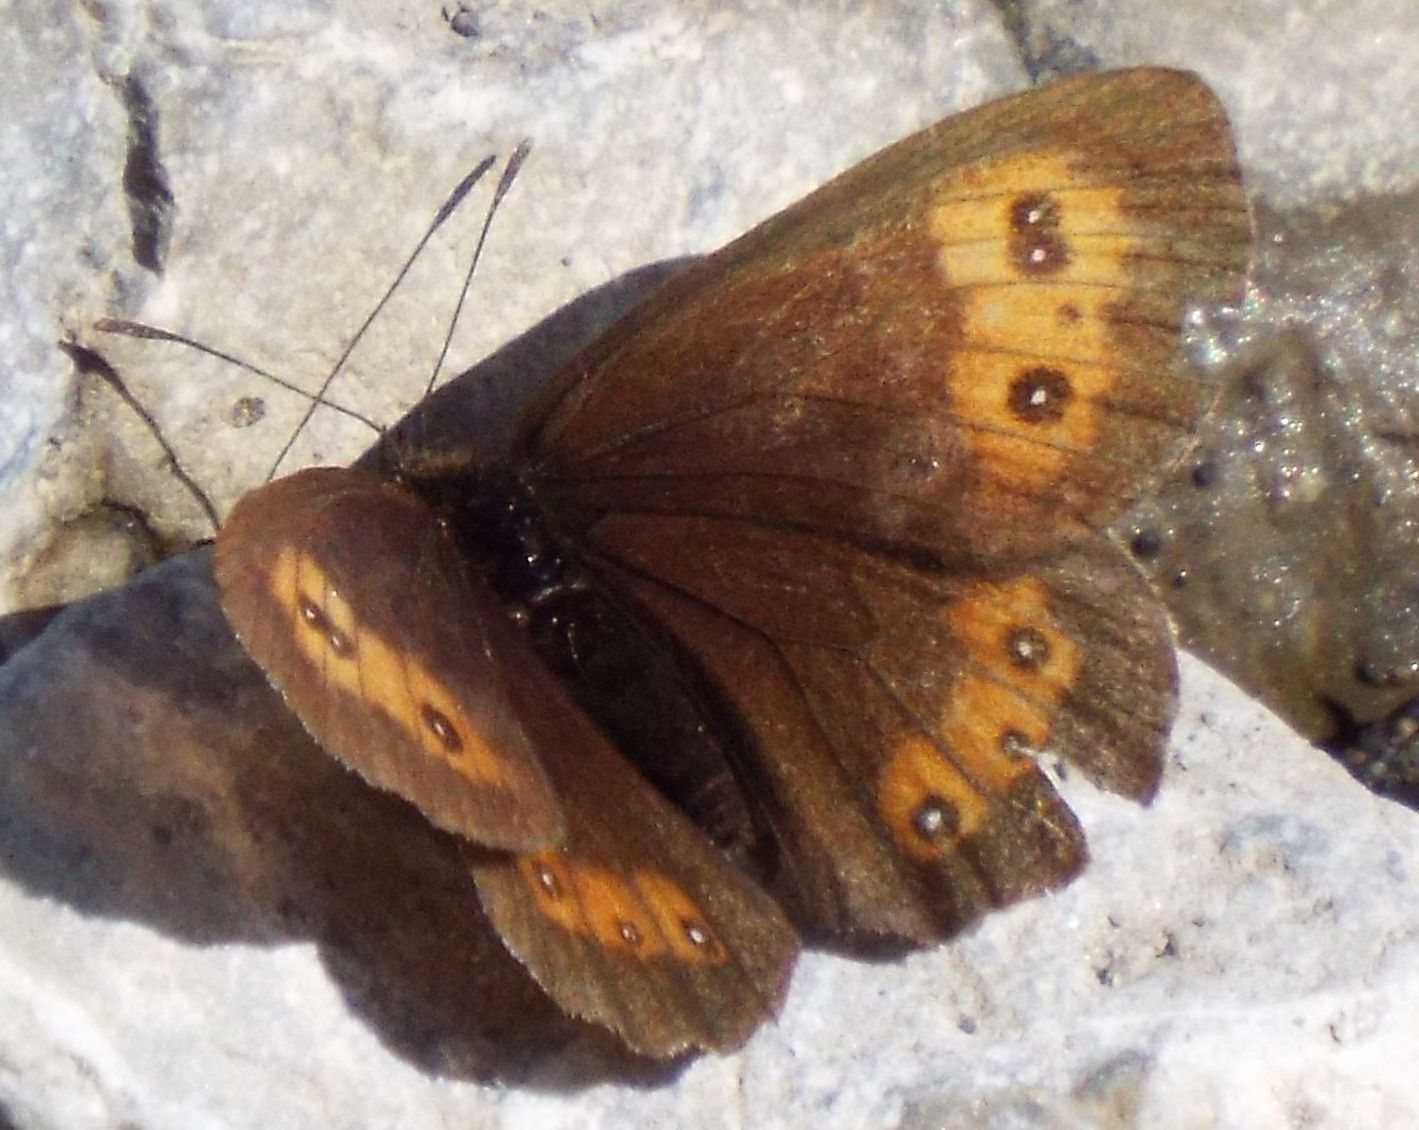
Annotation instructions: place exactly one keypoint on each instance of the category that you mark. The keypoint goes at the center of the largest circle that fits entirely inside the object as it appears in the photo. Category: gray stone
(1238, 955)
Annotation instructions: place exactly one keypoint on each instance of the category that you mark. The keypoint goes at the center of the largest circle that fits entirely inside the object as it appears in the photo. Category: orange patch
(916, 778)
(377, 672)
(644, 916)
(1001, 697)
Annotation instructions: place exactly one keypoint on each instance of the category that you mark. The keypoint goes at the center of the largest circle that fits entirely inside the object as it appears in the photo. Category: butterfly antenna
(87, 361)
(152, 333)
(445, 210)
(510, 171)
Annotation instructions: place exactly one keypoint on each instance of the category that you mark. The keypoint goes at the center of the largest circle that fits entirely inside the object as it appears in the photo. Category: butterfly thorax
(493, 520)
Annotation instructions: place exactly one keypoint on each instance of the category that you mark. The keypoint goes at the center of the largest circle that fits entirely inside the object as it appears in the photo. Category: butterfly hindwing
(893, 756)
(342, 587)
(635, 921)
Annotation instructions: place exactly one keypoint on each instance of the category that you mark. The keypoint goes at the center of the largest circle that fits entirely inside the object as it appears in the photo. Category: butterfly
(757, 632)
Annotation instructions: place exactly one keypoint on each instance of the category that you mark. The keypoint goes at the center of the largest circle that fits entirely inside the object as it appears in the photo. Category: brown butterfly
(755, 632)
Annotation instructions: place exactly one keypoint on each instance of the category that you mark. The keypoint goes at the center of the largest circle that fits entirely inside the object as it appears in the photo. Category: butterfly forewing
(343, 588)
(967, 345)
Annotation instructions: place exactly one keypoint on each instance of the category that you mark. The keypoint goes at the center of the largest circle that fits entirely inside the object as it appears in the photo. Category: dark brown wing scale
(893, 767)
(636, 920)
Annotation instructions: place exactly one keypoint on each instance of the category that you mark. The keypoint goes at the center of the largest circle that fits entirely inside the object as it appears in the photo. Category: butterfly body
(760, 627)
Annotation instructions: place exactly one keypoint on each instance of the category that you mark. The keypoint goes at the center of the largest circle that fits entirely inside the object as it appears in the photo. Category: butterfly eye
(1040, 395)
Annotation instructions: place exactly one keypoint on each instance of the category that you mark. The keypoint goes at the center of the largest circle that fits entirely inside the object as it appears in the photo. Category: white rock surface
(1327, 105)
(1243, 954)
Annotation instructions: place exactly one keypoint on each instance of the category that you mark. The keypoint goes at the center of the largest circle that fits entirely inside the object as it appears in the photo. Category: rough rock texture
(1239, 954)
(1286, 545)
(1287, 548)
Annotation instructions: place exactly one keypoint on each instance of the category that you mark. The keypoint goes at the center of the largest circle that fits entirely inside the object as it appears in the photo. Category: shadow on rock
(149, 773)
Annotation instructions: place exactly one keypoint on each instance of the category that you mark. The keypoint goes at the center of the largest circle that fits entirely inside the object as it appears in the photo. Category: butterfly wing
(343, 589)
(890, 731)
(635, 921)
(855, 464)
(968, 345)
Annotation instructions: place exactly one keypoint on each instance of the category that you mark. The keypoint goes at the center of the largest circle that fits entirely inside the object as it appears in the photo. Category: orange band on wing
(644, 915)
(364, 664)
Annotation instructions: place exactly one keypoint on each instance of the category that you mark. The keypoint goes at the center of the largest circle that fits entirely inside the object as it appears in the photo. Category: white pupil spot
(696, 933)
(1015, 745)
